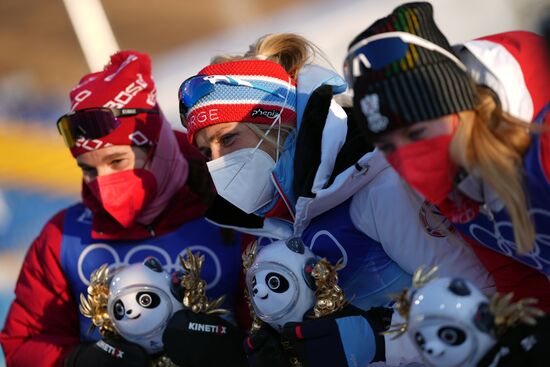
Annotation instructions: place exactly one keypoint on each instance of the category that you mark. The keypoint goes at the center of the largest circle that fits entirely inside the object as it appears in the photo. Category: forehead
(434, 125)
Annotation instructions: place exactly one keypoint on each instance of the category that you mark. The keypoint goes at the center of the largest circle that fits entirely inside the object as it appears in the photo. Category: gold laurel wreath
(248, 257)
(94, 306)
(163, 361)
(329, 296)
(194, 295)
(507, 313)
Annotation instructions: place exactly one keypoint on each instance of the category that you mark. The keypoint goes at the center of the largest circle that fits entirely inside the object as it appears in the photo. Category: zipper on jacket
(151, 231)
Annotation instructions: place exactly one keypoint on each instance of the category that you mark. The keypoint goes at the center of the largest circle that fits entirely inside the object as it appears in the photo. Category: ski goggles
(377, 51)
(199, 86)
(93, 123)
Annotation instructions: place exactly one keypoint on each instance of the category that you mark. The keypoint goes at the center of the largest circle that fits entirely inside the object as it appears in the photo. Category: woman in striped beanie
(285, 154)
(460, 142)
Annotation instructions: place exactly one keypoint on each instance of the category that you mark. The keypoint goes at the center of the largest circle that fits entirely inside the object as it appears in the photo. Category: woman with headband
(460, 142)
(287, 157)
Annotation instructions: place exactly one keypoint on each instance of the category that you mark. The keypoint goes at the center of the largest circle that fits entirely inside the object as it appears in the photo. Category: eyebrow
(219, 132)
(222, 130)
(113, 156)
(107, 158)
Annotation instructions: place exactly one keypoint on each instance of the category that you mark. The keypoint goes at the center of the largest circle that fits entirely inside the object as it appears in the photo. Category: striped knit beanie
(263, 89)
(419, 85)
(125, 82)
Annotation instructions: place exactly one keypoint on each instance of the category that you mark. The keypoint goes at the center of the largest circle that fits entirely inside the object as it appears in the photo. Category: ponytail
(491, 143)
(289, 50)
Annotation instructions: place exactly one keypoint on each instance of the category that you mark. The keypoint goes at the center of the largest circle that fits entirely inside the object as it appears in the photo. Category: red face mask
(426, 166)
(124, 194)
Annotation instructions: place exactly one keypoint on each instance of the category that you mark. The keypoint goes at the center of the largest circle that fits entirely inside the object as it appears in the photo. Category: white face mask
(243, 178)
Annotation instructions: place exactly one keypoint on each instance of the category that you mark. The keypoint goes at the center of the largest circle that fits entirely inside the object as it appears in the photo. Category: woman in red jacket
(459, 144)
(144, 193)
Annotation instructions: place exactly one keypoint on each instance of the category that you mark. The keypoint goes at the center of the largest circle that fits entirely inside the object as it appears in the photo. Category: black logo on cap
(260, 112)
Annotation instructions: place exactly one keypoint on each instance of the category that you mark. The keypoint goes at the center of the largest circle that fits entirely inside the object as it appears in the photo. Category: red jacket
(521, 67)
(42, 325)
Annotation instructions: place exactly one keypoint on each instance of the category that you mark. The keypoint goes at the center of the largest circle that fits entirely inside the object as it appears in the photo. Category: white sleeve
(389, 212)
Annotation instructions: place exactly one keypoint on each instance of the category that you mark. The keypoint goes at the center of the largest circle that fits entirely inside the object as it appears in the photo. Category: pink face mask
(124, 194)
(426, 166)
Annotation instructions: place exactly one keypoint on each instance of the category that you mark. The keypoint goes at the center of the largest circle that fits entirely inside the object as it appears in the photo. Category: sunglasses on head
(377, 51)
(199, 86)
(93, 123)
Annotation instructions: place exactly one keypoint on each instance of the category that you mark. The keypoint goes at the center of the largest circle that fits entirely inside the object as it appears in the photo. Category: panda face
(279, 282)
(139, 310)
(443, 344)
(272, 292)
(143, 299)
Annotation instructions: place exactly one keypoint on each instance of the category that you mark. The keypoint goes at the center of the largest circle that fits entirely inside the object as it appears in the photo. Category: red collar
(184, 206)
(280, 210)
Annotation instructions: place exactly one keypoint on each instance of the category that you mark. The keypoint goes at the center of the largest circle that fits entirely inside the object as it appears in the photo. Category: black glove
(521, 345)
(108, 353)
(350, 337)
(194, 340)
(264, 349)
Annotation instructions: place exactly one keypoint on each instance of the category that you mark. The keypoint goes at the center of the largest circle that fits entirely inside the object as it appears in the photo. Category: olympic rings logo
(266, 241)
(132, 256)
(539, 257)
(326, 233)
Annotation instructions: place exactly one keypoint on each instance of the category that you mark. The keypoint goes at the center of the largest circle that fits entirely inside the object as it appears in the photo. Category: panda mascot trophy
(287, 283)
(136, 301)
(285, 280)
(452, 323)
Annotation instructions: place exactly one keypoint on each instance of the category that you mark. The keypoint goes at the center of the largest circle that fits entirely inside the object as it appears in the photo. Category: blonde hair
(261, 130)
(290, 50)
(491, 143)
